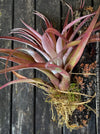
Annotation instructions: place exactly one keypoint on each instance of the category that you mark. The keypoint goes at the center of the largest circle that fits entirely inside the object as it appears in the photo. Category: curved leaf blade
(80, 48)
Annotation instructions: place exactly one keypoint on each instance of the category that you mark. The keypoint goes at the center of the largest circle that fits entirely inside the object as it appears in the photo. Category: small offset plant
(55, 54)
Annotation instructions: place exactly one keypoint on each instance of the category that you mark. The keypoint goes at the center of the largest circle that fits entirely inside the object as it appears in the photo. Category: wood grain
(85, 130)
(5, 96)
(23, 94)
(44, 124)
(23, 109)
(96, 5)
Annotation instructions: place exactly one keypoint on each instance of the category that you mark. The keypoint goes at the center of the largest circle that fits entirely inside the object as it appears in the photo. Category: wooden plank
(5, 26)
(75, 5)
(23, 94)
(98, 89)
(92, 122)
(96, 5)
(44, 124)
(91, 126)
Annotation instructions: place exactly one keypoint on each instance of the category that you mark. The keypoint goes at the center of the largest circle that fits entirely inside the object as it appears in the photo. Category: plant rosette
(55, 54)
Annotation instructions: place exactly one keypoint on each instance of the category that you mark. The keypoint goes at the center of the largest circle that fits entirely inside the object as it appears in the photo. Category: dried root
(65, 104)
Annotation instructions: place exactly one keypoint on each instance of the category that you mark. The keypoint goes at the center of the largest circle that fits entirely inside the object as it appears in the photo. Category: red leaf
(15, 60)
(80, 48)
(47, 45)
(20, 40)
(79, 26)
(64, 84)
(24, 66)
(34, 82)
(28, 43)
(75, 21)
(32, 30)
(54, 31)
(34, 54)
(66, 21)
(32, 36)
(44, 18)
(17, 54)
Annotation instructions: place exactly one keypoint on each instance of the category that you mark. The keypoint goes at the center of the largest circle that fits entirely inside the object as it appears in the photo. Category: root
(65, 103)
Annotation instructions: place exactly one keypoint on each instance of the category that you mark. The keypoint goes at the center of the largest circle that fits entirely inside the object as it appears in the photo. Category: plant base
(68, 106)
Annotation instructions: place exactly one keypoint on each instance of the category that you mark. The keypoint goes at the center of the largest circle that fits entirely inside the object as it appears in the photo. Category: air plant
(55, 54)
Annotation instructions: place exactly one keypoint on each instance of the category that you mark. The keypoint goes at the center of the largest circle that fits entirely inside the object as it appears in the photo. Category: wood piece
(91, 126)
(96, 5)
(44, 123)
(18, 117)
(5, 26)
(23, 94)
(94, 121)
(98, 89)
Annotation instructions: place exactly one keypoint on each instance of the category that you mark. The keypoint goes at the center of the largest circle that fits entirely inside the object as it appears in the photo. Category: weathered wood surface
(5, 95)
(23, 109)
(44, 124)
(23, 95)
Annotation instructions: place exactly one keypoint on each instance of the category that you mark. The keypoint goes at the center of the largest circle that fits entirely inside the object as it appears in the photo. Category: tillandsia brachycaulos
(55, 54)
